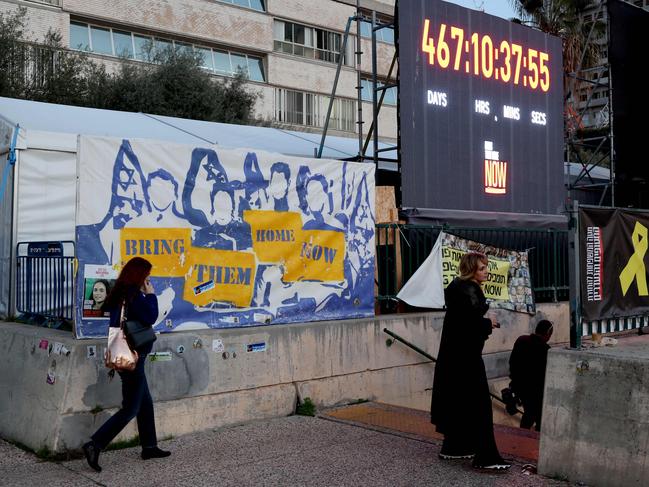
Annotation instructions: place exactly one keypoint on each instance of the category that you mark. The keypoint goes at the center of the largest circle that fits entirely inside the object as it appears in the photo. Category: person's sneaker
(446, 456)
(496, 466)
(91, 451)
(154, 452)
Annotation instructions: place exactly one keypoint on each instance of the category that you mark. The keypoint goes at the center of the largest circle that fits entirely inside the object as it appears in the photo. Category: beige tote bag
(119, 355)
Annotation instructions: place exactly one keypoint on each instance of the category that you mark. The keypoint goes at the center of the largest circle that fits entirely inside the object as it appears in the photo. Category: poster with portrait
(98, 281)
(508, 284)
(236, 237)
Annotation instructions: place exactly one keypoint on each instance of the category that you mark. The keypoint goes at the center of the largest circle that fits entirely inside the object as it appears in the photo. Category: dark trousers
(532, 407)
(474, 435)
(136, 402)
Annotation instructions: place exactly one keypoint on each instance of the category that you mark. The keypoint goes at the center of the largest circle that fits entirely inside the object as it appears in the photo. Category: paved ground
(512, 442)
(288, 451)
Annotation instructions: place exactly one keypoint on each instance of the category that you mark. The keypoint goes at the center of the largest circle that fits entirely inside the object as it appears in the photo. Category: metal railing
(402, 248)
(614, 325)
(433, 359)
(54, 3)
(45, 279)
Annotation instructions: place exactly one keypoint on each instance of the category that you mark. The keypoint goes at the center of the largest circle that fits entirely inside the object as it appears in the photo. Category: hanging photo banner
(98, 282)
(508, 284)
(613, 262)
(236, 238)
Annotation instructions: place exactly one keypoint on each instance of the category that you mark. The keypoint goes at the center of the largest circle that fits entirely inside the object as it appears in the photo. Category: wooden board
(385, 205)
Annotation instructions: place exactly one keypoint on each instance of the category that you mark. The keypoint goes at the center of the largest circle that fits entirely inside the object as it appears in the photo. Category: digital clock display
(480, 105)
(480, 56)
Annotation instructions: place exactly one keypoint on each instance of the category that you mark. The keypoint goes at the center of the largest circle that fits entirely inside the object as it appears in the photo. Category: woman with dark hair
(98, 293)
(133, 291)
(461, 403)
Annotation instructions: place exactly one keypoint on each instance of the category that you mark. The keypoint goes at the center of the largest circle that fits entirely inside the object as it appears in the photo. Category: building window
(253, 4)
(299, 108)
(129, 45)
(308, 42)
(386, 34)
(366, 92)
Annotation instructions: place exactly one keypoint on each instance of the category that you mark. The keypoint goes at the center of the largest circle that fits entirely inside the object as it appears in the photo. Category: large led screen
(481, 115)
(628, 41)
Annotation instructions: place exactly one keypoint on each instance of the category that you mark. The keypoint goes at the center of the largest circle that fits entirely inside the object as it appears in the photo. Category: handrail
(433, 359)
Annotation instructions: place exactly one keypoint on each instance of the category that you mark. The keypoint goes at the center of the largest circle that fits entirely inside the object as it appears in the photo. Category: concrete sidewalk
(295, 450)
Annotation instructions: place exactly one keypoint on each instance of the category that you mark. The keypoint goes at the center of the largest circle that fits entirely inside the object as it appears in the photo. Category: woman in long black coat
(461, 404)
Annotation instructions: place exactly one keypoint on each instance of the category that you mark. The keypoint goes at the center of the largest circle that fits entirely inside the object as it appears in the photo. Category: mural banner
(508, 284)
(612, 248)
(236, 238)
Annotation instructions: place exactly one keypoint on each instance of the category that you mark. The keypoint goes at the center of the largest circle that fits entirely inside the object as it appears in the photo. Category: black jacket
(460, 388)
(527, 365)
(143, 308)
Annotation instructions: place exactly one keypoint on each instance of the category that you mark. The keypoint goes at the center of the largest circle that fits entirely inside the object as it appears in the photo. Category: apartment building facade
(288, 49)
(593, 99)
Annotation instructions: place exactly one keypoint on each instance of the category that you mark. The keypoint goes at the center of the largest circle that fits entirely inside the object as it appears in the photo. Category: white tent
(39, 198)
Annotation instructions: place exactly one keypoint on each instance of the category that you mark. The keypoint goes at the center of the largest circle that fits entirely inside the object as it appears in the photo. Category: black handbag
(138, 334)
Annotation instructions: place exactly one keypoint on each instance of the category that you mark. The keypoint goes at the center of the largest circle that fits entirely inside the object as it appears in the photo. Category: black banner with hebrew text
(613, 262)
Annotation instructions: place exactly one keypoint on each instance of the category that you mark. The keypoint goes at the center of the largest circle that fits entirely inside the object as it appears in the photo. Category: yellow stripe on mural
(277, 237)
(275, 234)
(319, 257)
(165, 248)
(225, 276)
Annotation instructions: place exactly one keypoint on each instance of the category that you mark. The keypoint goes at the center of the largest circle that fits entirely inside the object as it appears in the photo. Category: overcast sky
(501, 8)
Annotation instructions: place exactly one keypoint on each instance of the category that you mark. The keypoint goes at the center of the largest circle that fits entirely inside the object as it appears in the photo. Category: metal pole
(333, 91)
(375, 111)
(370, 132)
(359, 86)
(408, 344)
(610, 122)
(575, 278)
(430, 357)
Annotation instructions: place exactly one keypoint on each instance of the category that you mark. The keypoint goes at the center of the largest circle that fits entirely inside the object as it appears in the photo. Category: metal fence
(45, 279)
(612, 325)
(402, 248)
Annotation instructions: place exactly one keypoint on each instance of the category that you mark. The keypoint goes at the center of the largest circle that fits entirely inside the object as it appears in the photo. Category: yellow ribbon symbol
(635, 269)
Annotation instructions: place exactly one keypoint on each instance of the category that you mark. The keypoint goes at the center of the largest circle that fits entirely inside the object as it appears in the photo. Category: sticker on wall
(256, 347)
(217, 345)
(58, 346)
(51, 373)
(160, 357)
(197, 343)
(201, 288)
(91, 351)
(43, 344)
(180, 349)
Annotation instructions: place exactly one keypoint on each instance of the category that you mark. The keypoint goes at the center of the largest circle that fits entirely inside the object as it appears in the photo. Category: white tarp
(425, 288)
(47, 187)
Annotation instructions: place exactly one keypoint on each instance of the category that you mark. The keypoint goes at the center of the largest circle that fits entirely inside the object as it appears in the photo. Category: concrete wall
(330, 362)
(596, 416)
